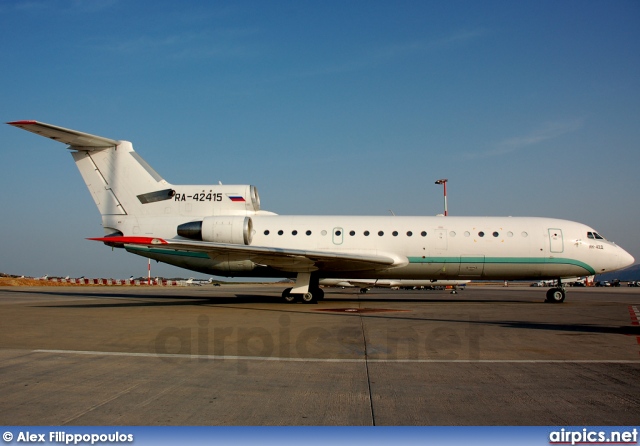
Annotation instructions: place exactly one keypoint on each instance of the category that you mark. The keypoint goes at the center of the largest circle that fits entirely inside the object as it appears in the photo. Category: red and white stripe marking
(634, 313)
(153, 282)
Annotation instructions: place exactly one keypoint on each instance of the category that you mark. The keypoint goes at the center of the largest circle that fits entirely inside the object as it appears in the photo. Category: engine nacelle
(228, 267)
(236, 230)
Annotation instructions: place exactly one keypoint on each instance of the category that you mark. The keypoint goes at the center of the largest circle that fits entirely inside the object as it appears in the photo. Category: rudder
(119, 179)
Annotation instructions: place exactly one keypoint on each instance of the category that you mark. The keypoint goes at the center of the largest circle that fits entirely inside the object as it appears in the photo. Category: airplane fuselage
(426, 247)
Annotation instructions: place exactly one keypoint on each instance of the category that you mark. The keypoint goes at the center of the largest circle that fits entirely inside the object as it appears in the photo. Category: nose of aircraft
(624, 259)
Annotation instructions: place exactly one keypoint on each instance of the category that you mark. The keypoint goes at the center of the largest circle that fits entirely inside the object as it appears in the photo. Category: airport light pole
(443, 181)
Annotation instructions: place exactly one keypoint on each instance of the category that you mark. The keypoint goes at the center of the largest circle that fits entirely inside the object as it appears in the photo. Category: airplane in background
(221, 230)
(197, 282)
(571, 281)
(365, 285)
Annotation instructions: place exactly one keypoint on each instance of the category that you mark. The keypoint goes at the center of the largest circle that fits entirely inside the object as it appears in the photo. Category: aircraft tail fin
(119, 180)
(132, 197)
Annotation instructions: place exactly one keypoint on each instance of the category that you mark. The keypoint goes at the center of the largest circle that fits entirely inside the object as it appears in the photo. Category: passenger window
(423, 233)
(409, 233)
(280, 232)
(266, 232)
(495, 234)
(294, 232)
(394, 233)
(366, 233)
(352, 233)
(380, 233)
(481, 234)
(308, 232)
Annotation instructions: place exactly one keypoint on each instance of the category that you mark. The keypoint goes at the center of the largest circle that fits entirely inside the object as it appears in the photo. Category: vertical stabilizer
(120, 181)
(131, 196)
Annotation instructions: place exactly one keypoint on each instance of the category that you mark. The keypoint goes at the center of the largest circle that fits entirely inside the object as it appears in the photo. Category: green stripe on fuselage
(448, 260)
(505, 260)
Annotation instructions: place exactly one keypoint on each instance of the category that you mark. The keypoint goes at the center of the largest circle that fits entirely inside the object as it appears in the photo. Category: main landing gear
(307, 290)
(557, 294)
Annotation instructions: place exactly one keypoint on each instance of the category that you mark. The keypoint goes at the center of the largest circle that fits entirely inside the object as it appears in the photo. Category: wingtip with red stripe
(22, 122)
(127, 240)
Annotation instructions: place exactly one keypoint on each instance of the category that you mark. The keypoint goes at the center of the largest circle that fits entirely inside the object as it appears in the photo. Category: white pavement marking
(347, 360)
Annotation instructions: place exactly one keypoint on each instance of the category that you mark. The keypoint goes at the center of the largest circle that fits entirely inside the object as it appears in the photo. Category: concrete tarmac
(236, 355)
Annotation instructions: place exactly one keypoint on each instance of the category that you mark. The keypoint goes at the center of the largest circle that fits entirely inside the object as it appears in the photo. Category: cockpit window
(594, 235)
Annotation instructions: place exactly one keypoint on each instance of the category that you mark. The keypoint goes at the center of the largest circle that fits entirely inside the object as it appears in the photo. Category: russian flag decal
(236, 198)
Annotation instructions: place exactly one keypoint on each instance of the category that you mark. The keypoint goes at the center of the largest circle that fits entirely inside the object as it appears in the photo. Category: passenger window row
(338, 233)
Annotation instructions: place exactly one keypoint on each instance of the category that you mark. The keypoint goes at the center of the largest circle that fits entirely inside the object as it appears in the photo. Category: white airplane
(565, 280)
(197, 282)
(221, 230)
(366, 284)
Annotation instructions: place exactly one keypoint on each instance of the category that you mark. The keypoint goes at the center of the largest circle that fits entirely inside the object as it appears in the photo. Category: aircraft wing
(77, 140)
(283, 259)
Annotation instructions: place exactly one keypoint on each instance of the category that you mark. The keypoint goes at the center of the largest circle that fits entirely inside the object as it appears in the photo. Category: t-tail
(131, 195)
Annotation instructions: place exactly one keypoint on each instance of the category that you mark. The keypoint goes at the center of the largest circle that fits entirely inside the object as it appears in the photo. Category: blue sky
(352, 107)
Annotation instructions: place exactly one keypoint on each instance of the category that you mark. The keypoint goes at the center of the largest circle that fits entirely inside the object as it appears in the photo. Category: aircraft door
(440, 265)
(441, 239)
(338, 236)
(556, 241)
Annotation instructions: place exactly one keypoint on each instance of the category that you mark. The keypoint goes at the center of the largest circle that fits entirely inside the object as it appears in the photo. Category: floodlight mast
(443, 181)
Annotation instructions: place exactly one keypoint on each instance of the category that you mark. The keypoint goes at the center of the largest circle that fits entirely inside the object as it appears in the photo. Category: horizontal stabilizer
(77, 140)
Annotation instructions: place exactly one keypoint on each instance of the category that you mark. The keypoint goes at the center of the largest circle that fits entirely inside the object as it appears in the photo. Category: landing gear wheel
(454, 292)
(363, 291)
(556, 295)
(308, 298)
(318, 294)
(288, 297)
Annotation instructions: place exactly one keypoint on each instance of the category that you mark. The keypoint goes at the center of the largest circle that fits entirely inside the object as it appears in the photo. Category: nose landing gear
(557, 294)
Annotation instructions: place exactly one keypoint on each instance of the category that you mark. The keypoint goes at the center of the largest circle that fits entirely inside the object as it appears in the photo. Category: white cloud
(193, 45)
(83, 6)
(389, 53)
(546, 132)
(424, 46)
